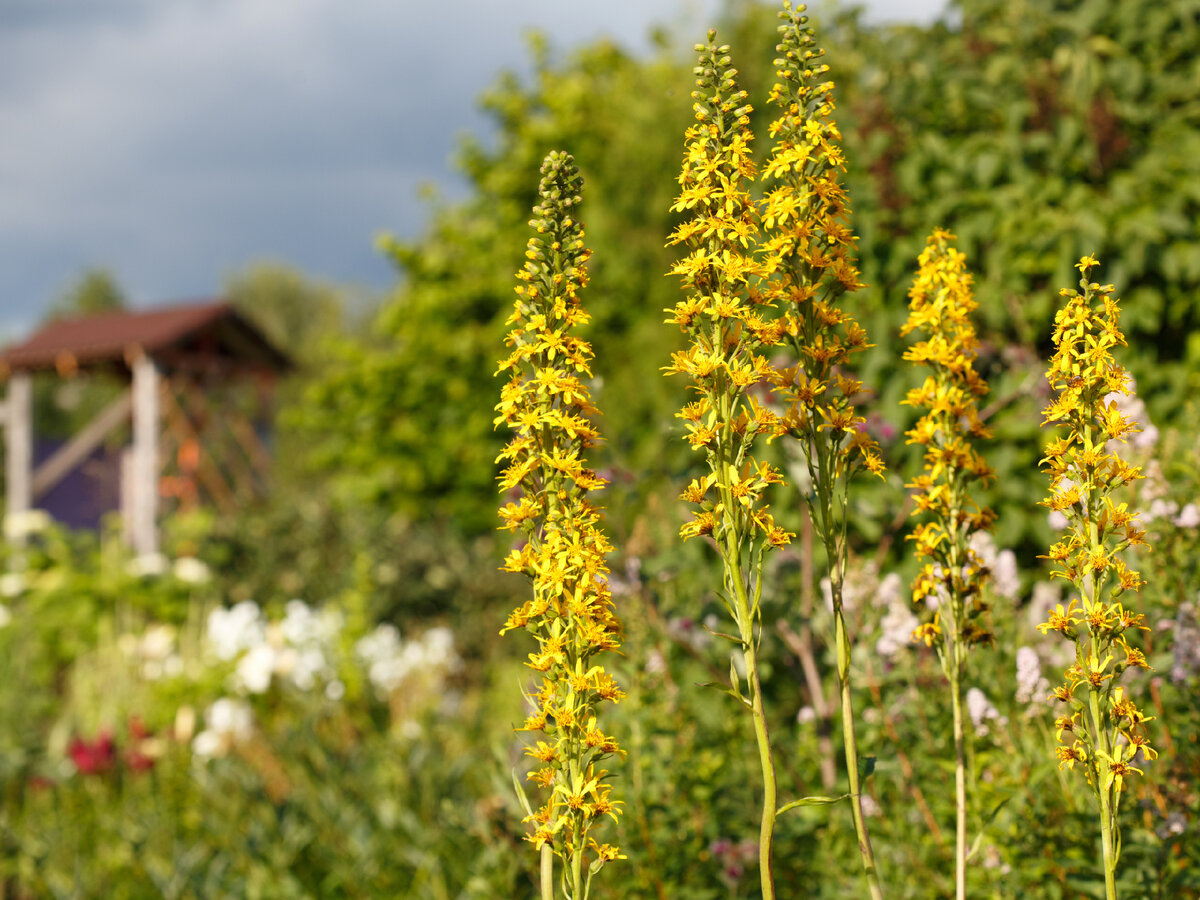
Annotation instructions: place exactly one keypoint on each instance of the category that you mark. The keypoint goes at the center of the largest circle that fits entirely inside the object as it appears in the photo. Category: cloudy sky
(176, 141)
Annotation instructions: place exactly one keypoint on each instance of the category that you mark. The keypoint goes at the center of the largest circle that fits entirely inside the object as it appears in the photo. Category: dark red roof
(213, 328)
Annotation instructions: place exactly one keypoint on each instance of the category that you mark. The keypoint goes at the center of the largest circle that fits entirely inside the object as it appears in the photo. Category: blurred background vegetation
(1037, 130)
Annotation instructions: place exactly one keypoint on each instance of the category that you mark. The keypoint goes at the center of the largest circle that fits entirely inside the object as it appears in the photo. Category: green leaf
(721, 634)
(716, 685)
(810, 801)
(521, 794)
(866, 767)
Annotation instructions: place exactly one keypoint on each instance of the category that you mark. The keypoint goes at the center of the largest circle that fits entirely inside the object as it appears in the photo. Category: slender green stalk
(547, 872)
(960, 789)
(747, 630)
(1106, 816)
(849, 740)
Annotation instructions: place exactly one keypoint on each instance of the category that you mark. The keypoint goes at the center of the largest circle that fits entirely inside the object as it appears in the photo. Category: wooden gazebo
(179, 363)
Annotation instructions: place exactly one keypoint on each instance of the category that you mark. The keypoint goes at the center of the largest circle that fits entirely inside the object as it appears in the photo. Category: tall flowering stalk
(809, 255)
(1103, 731)
(723, 318)
(571, 616)
(940, 307)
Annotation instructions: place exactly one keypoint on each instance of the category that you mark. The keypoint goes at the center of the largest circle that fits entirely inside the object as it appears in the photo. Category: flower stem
(766, 835)
(960, 785)
(851, 744)
(547, 872)
(1103, 795)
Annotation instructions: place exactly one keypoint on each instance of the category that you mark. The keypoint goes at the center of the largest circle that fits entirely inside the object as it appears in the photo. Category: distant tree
(95, 291)
(294, 311)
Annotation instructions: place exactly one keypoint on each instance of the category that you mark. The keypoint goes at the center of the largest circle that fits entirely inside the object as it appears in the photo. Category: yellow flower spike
(731, 331)
(940, 307)
(548, 410)
(808, 251)
(1083, 475)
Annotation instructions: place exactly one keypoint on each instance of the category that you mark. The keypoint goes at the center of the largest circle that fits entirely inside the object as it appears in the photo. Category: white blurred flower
(896, 627)
(993, 860)
(157, 642)
(156, 649)
(382, 643)
(389, 661)
(229, 722)
(309, 664)
(148, 564)
(939, 594)
(1160, 509)
(981, 711)
(656, 663)
(190, 570)
(383, 654)
(335, 690)
(208, 743)
(12, 584)
(302, 625)
(1189, 516)
(1046, 594)
(438, 644)
(1031, 686)
(984, 546)
(1006, 578)
(860, 583)
(890, 590)
(230, 631)
(1153, 484)
(1186, 647)
(28, 522)
(805, 715)
(1176, 823)
(870, 806)
(254, 670)
(232, 717)
(1057, 520)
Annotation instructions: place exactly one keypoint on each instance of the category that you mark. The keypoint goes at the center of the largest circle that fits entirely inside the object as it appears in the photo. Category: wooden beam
(76, 450)
(144, 462)
(18, 438)
(206, 471)
(250, 443)
(238, 462)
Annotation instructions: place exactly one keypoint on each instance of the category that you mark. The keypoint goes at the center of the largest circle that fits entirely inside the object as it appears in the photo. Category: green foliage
(295, 313)
(95, 291)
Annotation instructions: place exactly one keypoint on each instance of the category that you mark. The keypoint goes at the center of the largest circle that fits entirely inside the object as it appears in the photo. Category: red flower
(94, 757)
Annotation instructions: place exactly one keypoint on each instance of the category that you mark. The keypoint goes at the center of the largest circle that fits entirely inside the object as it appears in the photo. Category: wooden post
(19, 445)
(144, 462)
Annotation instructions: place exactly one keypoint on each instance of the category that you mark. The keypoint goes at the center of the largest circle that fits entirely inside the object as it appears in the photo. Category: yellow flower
(809, 254)
(940, 304)
(1083, 474)
(546, 406)
(721, 314)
